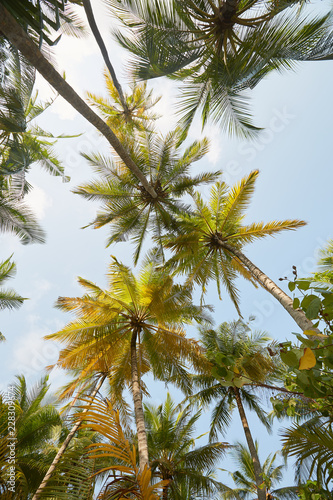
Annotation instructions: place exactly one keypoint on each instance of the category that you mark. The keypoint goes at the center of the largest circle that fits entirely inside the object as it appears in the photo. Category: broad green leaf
(313, 308)
(289, 358)
(296, 303)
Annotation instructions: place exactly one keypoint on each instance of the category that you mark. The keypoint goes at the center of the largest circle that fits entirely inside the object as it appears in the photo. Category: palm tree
(44, 486)
(208, 244)
(126, 479)
(324, 274)
(240, 364)
(244, 477)
(22, 142)
(218, 49)
(127, 207)
(134, 327)
(173, 455)
(34, 425)
(134, 114)
(311, 443)
(44, 18)
(11, 29)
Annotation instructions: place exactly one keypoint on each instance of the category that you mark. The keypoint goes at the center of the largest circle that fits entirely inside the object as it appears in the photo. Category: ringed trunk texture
(65, 444)
(138, 408)
(255, 459)
(17, 36)
(297, 314)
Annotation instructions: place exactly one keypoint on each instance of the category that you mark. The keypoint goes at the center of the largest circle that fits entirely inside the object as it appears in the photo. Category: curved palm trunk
(256, 464)
(297, 314)
(65, 444)
(138, 408)
(92, 23)
(17, 36)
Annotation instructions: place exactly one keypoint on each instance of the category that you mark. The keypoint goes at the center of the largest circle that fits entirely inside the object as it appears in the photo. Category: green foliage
(127, 207)
(99, 339)
(219, 50)
(310, 363)
(313, 491)
(238, 360)
(309, 374)
(244, 477)
(138, 115)
(9, 299)
(312, 444)
(22, 144)
(197, 243)
(173, 454)
(43, 18)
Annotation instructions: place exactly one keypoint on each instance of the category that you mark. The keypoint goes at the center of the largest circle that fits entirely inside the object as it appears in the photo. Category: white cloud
(38, 201)
(32, 354)
(37, 290)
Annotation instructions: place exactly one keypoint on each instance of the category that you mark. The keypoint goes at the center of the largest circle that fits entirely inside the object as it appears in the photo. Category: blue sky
(293, 155)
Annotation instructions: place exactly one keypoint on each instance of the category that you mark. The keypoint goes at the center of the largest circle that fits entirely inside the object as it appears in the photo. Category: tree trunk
(93, 26)
(297, 314)
(138, 408)
(255, 459)
(17, 36)
(65, 444)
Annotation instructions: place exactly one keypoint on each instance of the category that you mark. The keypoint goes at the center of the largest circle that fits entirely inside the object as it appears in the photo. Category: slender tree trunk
(94, 28)
(138, 408)
(297, 314)
(17, 36)
(255, 459)
(165, 493)
(65, 444)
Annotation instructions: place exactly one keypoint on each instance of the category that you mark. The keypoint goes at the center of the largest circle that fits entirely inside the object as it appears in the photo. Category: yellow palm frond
(102, 418)
(238, 200)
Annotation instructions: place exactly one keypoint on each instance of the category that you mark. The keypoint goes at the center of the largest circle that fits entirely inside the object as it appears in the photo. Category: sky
(293, 154)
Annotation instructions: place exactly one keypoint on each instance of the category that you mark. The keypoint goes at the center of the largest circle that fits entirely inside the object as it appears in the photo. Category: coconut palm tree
(127, 207)
(135, 326)
(22, 142)
(173, 455)
(208, 244)
(33, 423)
(244, 477)
(218, 49)
(311, 442)
(124, 478)
(12, 30)
(240, 364)
(42, 19)
(135, 115)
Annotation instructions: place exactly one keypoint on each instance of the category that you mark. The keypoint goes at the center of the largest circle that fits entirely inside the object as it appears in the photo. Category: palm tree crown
(130, 210)
(132, 328)
(244, 477)
(219, 48)
(240, 363)
(204, 242)
(172, 451)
